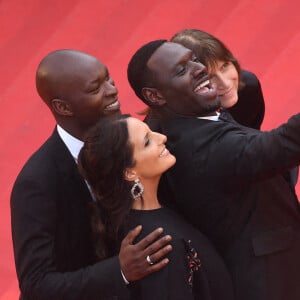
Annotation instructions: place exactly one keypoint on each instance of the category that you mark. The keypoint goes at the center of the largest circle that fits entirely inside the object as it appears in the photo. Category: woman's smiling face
(225, 78)
(150, 154)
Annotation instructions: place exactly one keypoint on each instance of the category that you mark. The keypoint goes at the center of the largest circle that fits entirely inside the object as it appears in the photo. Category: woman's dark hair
(105, 155)
(206, 47)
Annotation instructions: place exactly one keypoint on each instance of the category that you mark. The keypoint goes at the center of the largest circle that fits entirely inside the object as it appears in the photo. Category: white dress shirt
(73, 144)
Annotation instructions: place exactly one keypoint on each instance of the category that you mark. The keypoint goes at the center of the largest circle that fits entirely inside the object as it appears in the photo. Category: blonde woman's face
(225, 79)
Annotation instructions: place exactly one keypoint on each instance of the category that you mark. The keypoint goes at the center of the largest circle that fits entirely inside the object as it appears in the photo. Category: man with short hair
(228, 178)
(52, 239)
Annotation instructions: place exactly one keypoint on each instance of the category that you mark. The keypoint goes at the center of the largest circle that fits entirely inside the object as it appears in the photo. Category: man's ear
(130, 174)
(153, 96)
(61, 107)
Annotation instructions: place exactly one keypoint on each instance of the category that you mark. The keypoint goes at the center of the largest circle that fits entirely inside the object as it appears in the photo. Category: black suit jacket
(51, 231)
(248, 111)
(227, 182)
(250, 108)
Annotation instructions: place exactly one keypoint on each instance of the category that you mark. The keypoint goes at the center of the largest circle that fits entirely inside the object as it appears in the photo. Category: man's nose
(198, 69)
(110, 88)
(111, 81)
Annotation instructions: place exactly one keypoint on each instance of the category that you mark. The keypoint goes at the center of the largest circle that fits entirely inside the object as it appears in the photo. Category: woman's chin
(227, 103)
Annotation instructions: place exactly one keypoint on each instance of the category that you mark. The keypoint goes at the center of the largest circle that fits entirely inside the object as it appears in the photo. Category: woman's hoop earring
(137, 189)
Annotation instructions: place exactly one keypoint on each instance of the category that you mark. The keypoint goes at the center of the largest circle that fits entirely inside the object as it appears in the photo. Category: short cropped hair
(138, 72)
(208, 49)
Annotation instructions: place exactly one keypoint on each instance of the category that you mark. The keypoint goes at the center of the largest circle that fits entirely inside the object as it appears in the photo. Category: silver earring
(137, 189)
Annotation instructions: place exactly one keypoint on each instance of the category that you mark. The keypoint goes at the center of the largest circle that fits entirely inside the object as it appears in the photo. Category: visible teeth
(162, 153)
(202, 85)
(116, 103)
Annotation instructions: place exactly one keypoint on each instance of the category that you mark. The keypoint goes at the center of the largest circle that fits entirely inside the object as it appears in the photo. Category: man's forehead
(169, 54)
(89, 69)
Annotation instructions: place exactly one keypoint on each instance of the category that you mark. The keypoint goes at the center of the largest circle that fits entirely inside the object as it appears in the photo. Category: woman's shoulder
(164, 217)
(249, 78)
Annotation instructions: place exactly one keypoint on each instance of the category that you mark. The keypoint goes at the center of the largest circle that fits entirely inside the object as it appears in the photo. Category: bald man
(50, 201)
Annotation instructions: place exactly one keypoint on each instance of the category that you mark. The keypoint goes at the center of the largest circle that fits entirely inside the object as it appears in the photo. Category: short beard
(211, 108)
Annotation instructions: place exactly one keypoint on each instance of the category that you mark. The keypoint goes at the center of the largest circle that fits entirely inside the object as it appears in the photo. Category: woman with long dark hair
(123, 160)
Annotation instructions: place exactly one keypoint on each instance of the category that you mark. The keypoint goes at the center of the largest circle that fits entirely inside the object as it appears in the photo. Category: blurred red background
(263, 34)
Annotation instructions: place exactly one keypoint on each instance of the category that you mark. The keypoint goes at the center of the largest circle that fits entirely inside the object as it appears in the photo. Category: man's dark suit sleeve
(251, 155)
(50, 229)
(33, 226)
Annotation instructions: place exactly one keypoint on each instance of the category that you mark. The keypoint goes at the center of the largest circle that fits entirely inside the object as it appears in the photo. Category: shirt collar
(73, 144)
(212, 118)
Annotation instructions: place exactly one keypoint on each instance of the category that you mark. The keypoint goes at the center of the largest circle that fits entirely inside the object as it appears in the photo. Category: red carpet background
(263, 34)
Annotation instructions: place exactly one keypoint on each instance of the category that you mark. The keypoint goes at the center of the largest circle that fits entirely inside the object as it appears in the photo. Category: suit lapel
(68, 169)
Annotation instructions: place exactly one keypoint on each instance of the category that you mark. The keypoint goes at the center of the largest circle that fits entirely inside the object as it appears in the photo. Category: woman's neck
(149, 198)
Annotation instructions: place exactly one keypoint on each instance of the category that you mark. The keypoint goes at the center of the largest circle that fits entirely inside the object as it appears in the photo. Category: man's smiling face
(182, 81)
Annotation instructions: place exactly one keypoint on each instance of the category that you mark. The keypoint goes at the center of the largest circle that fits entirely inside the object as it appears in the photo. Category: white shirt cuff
(125, 280)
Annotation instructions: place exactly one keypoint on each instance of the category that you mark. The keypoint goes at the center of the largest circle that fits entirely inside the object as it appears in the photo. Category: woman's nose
(163, 138)
(160, 138)
(219, 81)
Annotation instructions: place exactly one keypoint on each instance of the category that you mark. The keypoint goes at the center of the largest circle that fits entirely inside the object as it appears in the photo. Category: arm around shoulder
(48, 262)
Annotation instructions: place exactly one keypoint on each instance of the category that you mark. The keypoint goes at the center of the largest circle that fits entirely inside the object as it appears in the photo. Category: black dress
(195, 270)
